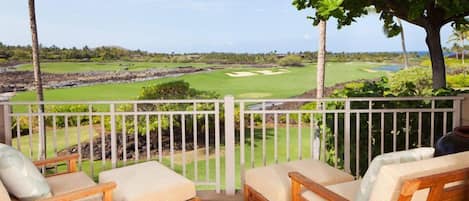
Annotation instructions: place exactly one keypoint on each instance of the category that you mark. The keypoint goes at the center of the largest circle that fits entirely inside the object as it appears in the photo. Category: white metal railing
(188, 135)
(347, 133)
(113, 123)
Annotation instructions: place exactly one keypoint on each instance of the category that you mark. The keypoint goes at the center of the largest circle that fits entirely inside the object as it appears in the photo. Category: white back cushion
(367, 184)
(391, 177)
(19, 175)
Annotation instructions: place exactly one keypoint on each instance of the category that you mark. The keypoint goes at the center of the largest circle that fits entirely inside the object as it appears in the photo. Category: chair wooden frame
(252, 195)
(105, 188)
(436, 183)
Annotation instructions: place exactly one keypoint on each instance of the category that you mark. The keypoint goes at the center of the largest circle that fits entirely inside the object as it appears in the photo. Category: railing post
(347, 136)
(463, 111)
(456, 113)
(229, 145)
(5, 119)
(113, 136)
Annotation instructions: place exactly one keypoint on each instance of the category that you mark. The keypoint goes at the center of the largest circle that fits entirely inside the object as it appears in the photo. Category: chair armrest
(299, 180)
(104, 188)
(70, 159)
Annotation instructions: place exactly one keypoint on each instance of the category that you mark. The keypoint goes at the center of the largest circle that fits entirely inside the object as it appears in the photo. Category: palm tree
(459, 36)
(456, 48)
(37, 75)
(404, 50)
(321, 59)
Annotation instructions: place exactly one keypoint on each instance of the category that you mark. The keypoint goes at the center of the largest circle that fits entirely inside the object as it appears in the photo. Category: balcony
(213, 142)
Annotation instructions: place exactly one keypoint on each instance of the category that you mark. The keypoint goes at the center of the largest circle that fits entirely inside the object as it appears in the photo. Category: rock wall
(24, 80)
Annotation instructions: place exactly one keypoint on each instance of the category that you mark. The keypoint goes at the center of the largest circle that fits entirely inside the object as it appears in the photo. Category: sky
(187, 26)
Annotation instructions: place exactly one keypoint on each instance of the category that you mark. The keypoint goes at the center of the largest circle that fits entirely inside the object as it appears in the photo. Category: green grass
(451, 63)
(295, 82)
(74, 67)
(60, 138)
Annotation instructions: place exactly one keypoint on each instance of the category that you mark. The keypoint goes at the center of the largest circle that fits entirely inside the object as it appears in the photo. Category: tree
(321, 68)
(456, 48)
(458, 36)
(431, 15)
(37, 73)
(404, 50)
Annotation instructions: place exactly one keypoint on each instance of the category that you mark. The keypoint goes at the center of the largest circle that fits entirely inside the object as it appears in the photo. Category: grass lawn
(451, 63)
(294, 82)
(74, 67)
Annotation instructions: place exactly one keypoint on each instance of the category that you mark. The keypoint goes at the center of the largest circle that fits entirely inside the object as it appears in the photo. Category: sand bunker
(269, 72)
(261, 72)
(241, 74)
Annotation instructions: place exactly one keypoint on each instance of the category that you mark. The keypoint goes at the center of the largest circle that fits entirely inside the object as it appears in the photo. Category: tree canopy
(428, 14)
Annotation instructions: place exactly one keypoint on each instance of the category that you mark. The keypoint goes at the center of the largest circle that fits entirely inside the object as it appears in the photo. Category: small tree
(428, 14)
(291, 60)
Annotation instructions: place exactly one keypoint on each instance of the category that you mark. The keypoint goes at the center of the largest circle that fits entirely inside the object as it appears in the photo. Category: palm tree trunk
(462, 45)
(321, 60)
(320, 88)
(37, 76)
(404, 50)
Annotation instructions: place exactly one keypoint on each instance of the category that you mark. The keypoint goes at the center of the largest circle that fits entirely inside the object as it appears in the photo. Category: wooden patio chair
(271, 183)
(443, 178)
(71, 184)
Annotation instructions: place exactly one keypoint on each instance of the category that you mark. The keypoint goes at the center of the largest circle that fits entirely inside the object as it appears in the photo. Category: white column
(229, 145)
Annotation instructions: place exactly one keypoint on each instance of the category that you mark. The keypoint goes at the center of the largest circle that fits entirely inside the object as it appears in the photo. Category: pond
(390, 68)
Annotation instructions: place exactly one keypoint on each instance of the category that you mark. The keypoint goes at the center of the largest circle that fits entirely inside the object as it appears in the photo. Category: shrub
(167, 91)
(72, 120)
(24, 125)
(458, 81)
(291, 60)
(379, 89)
(415, 81)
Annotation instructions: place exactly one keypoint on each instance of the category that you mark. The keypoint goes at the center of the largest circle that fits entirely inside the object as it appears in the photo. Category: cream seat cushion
(349, 191)
(391, 177)
(149, 181)
(274, 184)
(67, 183)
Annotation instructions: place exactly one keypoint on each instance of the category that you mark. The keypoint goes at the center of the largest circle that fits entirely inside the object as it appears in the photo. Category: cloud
(307, 37)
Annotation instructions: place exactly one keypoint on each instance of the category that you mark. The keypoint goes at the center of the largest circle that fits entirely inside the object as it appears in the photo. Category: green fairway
(293, 81)
(75, 67)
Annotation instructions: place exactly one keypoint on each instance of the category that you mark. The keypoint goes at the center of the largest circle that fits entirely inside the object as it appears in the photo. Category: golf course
(245, 82)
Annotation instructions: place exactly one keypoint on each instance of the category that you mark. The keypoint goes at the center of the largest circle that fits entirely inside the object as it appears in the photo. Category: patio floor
(213, 196)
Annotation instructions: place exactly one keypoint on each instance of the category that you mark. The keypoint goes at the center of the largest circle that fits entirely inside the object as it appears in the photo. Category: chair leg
(246, 193)
(295, 191)
(107, 196)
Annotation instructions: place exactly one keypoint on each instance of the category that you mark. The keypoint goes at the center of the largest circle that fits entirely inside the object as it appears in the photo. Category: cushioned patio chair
(439, 178)
(271, 183)
(69, 185)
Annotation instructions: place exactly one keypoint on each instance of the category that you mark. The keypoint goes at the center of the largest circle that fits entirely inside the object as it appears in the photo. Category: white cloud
(307, 37)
